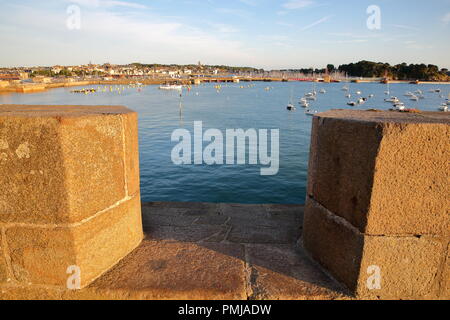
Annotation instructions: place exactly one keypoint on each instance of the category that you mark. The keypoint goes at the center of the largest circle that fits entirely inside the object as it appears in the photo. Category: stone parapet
(70, 192)
(378, 198)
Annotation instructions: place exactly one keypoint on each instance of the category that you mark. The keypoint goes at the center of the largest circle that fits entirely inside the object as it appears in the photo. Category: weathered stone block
(177, 270)
(384, 172)
(445, 279)
(3, 268)
(283, 272)
(62, 164)
(336, 247)
(410, 267)
(132, 150)
(42, 255)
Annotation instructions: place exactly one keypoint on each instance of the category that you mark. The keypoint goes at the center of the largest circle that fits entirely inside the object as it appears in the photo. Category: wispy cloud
(446, 18)
(285, 24)
(297, 4)
(355, 35)
(412, 44)
(223, 28)
(108, 3)
(235, 12)
(125, 37)
(345, 41)
(249, 2)
(404, 27)
(316, 23)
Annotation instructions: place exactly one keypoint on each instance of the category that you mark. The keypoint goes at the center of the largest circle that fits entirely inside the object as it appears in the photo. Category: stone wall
(69, 194)
(377, 214)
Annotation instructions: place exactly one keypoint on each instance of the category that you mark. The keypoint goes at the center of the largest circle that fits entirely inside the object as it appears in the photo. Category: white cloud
(297, 4)
(116, 37)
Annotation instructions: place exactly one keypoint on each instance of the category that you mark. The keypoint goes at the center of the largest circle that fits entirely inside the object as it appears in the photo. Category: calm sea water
(232, 107)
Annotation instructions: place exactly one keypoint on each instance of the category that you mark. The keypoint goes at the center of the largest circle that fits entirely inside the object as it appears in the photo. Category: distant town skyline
(264, 34)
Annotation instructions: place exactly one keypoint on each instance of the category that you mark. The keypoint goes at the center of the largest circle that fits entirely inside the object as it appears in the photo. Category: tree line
(369, 69)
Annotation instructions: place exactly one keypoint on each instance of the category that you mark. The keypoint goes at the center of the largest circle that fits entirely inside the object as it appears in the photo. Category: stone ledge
(69, 162)
(41, 255)
(387, 173)
(411, 267)
(70, 191)
(176, 266)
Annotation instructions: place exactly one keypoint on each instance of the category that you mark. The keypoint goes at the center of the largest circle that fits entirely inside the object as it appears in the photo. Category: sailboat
(388, 91)
(312, 95)
(311, 113)
(290, 105)
(304, 103)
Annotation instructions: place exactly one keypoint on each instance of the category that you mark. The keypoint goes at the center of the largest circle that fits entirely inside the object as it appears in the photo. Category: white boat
(311, 96)
(349, 95)
(414, 98)
(409, 94)
(419, 92)
(345, 88)
(171, 87)
(304, 103)
(352, 104)
(311, 113)
(443, 107)
(371, 95)
(358, 93)
(323, 91)
(362, 100)
(392, 99)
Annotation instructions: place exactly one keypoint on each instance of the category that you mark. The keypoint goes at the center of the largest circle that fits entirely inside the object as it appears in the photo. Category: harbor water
(233, 106)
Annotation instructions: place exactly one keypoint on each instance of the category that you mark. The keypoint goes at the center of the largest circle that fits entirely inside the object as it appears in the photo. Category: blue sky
(262, 33)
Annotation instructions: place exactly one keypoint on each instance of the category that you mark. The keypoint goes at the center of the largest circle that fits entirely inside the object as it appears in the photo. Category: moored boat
(171, 87)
